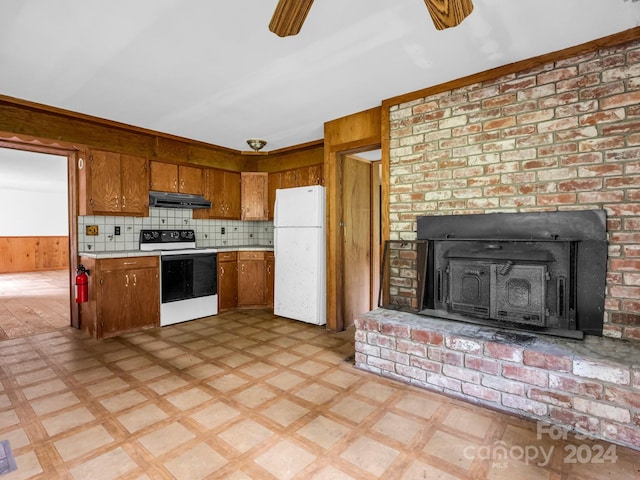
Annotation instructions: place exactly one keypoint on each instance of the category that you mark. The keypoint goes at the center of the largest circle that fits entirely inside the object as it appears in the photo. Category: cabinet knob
(124, 201)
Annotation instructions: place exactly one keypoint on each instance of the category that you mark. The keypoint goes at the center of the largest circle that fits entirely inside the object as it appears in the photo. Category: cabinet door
(273, 184)
(251, 282)
(113, 302)
(289, 179)
(218, 200)
(135, 185)
(232, 195)
(208, 175)
(144, 299)
(311, 175)
(227, 284)
(254, 195)
(190, 180)
(105, 182)
(270, 280)
(164, 177)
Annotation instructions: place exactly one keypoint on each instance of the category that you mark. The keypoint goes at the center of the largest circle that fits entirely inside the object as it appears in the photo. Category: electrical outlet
(92, 230)
(223, 231)
(116, 231)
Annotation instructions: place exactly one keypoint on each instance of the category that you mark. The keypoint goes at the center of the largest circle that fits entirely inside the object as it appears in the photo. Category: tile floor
(247, 395)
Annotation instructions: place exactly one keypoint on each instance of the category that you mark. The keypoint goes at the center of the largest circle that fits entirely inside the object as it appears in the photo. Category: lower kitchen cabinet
(271, 268)
(227, 280)
(251, 279)
(245, 279)
(124, 295)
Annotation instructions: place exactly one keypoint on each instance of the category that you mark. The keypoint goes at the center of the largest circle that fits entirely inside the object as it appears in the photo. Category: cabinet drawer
(227, 256)
(250, 255)
(128, 263)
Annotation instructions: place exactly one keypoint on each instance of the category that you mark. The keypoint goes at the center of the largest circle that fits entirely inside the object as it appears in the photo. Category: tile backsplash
(208, 232)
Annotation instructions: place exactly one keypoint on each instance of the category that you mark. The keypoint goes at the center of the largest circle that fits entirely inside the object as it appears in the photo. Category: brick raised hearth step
(591, 386)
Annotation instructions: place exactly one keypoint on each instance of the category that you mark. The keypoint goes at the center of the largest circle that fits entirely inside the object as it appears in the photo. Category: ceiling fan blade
(448, 13)
(289, 16)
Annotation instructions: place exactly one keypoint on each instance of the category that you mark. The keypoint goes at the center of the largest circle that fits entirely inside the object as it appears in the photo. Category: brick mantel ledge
(591, 386)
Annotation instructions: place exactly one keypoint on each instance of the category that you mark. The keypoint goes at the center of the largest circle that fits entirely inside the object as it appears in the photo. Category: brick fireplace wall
(562, 136)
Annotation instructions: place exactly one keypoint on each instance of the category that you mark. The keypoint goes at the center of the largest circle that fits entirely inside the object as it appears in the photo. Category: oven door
(188, 287)
(188, 276)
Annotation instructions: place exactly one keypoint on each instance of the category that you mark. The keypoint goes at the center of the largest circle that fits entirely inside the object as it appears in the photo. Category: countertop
(140, 253)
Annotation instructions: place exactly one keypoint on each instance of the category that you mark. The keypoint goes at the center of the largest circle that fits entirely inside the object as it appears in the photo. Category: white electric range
(188, 275)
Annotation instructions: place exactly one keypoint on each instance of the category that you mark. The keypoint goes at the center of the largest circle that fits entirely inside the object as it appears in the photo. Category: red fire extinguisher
(82, 284)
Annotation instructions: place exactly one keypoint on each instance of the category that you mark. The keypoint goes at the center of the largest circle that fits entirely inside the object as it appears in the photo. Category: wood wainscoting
(30, 254)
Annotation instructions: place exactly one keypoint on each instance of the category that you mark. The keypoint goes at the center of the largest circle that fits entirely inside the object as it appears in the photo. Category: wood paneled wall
(29, 254)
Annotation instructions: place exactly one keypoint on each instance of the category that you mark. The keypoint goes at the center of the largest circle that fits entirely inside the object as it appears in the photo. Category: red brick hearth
(590, 386)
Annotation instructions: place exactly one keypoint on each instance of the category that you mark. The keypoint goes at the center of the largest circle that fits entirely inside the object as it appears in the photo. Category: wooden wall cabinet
(124, 296)
(114, 184)
(251, 279)
(254, 192)
(171, 177)
(227, 281)
(296, 177)
(311, 175)
(222, 189)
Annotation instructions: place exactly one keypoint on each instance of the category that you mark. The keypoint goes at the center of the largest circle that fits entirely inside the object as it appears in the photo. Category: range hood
(177, 200)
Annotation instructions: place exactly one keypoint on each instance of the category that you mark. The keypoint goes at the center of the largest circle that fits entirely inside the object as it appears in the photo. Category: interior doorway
(360, 234)
(34, 243)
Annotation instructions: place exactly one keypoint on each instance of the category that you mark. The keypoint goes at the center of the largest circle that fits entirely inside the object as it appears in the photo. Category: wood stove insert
(542, 272)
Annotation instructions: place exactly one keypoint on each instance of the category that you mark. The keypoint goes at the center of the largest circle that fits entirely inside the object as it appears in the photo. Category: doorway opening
(34, 241)
(359, 179)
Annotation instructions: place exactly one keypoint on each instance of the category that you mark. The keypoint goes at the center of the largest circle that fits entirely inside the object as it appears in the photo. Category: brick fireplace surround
(565, 135)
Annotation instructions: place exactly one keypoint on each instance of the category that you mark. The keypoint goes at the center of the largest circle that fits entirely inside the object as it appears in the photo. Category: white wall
(33, 194)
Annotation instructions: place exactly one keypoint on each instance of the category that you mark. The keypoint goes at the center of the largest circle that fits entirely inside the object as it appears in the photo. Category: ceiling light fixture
(256, 144)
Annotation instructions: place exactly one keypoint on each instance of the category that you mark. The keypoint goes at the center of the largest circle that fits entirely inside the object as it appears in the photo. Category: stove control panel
(167, 236)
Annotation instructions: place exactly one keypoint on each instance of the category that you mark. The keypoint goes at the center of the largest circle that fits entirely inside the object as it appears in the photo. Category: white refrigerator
(299, 247)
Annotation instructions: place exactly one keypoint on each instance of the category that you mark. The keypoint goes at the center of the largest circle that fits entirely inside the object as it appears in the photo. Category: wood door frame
(75, 155)
(335, 287)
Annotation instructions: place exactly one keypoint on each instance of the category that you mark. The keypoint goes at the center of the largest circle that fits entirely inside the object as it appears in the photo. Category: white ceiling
(211, 70)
